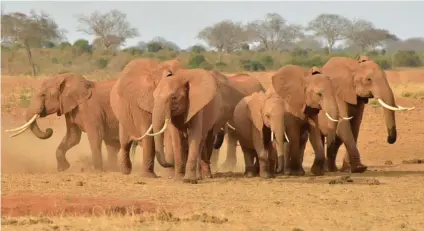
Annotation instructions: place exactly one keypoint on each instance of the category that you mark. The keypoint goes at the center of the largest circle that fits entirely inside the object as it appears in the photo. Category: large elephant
(247, 85)
(356, 81)
(197, 103)
(304, 97)
(257, 119)
(132, 103)
(85, 105)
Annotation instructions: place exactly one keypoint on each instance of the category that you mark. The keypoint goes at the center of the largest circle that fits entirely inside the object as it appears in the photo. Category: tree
(165, 43)
(331, 27)
(112, 28)
(309, 42)
(33, 30)
(274, 32)
(370, 38)
(225, 36)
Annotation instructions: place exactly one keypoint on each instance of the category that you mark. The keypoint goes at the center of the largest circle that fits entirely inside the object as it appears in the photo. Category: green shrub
(198, 49)
(383, 62)
(55, 60)
(220, 66)
(134, 51)
(196, 60)
(309, 61)
(252, 65)
(206, 66)
(102, 63)
(407, 59)
(82, 46)
(267, 60)
(154, 46)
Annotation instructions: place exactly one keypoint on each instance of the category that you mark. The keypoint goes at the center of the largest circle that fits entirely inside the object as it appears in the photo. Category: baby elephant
(257, 119)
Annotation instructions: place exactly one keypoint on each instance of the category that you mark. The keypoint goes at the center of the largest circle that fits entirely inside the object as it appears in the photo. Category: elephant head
(58, 94)
(359, 80)
(306, 92)
(180, 96)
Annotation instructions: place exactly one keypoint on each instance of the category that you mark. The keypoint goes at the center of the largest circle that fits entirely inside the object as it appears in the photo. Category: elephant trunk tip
(392, 135)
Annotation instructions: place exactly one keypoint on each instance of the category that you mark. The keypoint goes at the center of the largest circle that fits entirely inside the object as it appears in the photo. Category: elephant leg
(72, 138)
(214, 159)
(206, 155)
(316, 141)
(147, 168)
(249, 158)
(124, 161)
(332, 149)
(179, 151)
(96, 149)
(354, 157)
(112, 147)
(169, 152)
(195, 137)
(263, 153)
(302, 144)
(272, 158)
(295, 159)
(231, 159)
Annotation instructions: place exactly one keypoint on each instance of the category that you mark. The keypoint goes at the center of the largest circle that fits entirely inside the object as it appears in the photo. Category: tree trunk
(31, 62)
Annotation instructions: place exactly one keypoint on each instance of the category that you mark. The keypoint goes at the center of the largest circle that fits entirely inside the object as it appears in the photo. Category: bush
(154, 46)
(82, 46)
(252, 65)
(267, 60)
(206, 66)
(197, 49)
(196, 60)
(55, 60)
(309, 61)
(383, 62)
(407, 59)
(134, 51)
(220, 66)
(102, 63)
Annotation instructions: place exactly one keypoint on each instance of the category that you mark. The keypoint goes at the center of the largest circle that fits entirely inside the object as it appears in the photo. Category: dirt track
(79, 199)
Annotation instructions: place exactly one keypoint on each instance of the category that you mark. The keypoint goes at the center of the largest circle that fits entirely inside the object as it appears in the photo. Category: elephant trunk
(159, 125)
(37, 107)
(385, 94)
(332, 113)
(278, 128)
(219, 139)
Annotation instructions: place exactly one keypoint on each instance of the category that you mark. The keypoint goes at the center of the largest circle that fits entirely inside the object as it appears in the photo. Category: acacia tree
(225, 36)
(29, 31)
(331, 27)
(274, 32)
(110, 28)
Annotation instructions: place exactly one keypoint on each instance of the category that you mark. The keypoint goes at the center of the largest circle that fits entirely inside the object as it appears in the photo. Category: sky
(180, 22)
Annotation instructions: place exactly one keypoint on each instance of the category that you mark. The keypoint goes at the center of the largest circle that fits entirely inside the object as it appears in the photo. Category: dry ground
(387, 197)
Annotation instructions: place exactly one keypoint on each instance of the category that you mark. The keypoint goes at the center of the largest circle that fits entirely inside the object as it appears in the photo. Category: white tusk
(390, 107)
(405, 108)
(347, 118)
(162, 130)
(228, 124)
(287, 138)
(147, 132)
(34, 117)
(272, 136)
(330, 118)
(19, 132)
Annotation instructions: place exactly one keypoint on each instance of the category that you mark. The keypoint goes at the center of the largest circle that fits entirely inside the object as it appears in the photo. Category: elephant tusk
(390, 107)
(147, 133)
(26, 125)
(229, 125)
(162, 130)
(19, 132)
(347, 118)
(330, 118)
(405, 108)
(272, 136)
(287, 138)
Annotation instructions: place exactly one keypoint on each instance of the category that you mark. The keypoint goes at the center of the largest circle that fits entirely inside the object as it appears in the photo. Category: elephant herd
(180, 116)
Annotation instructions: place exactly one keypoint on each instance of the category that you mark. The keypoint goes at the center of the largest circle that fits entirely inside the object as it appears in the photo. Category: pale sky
(181, 21)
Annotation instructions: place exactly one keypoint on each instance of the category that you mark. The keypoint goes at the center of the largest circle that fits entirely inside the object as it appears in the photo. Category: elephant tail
(219, 140)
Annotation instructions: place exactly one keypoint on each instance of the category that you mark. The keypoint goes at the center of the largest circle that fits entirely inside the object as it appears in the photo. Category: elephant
(131, 100)
(197, 103)
(86, 107)
(246, 84)
(257, 118)
(356, 81)
(303, 98)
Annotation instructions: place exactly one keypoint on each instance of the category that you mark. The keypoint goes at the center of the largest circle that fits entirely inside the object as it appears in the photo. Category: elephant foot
(318, 168)
(296, 172)
(98, 169)
(359, 168)
(62, 166)
(345, 167)
(279, 171)
(148, 174)
(266, 175)
(330, 165)
(178, 176)
(113, 167)
(190, 177)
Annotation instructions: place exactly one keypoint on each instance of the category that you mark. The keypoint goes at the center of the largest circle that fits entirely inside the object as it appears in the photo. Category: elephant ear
(363, 58)
(289, 84)
(138, 80)
(255, 103)
(202, 89)
(74, 90)
(341, 71)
